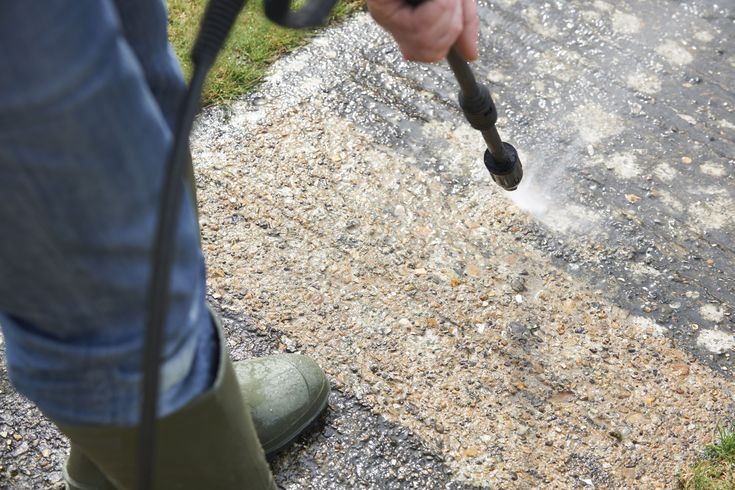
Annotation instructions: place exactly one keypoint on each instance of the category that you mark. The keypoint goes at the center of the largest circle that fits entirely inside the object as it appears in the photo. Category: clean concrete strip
(430, 306)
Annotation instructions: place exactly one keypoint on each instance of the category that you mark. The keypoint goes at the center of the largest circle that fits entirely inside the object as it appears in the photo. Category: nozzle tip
(507, 174)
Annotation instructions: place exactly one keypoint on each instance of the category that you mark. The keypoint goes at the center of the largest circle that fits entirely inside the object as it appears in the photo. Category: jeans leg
(83, 141)
(144, 25)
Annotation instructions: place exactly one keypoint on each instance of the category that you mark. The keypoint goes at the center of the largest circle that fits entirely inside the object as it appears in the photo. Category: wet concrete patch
(627, 150)
(351, 446)
(440, 311)
(397, 263)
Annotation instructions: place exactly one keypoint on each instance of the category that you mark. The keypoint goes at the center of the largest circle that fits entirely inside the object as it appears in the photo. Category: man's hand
(426, 32)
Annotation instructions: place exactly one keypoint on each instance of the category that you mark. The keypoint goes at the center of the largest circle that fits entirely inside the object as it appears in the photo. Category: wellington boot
(82, 474)
(209, 443)
(284, 392)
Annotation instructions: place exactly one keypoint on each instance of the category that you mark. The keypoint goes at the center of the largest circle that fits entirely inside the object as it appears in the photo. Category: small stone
(686, 160)
(629, 473)
(565, 396)
(518, 284)
(17, 436)
(470, 452)
(518, 330)
(617, 435)
(473, 270)
(680, 369)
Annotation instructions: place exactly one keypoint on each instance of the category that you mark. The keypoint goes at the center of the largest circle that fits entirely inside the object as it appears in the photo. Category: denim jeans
(88, 95)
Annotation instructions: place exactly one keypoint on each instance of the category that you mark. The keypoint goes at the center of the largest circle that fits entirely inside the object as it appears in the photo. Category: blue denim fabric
(88, 90)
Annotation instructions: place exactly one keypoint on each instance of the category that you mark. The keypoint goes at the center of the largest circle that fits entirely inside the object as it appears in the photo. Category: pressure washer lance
(501, 159)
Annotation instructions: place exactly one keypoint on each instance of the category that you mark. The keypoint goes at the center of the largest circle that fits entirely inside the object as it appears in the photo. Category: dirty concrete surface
(577, 333)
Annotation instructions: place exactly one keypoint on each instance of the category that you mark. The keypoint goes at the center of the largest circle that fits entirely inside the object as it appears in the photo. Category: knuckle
(455, 29)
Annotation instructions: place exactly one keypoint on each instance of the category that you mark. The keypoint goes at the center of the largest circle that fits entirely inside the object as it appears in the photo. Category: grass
(253, 45)
(715, 470)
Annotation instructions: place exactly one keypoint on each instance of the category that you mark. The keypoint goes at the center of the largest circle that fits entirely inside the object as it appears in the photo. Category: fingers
(435, 26)
(467, 42)
(428, 31)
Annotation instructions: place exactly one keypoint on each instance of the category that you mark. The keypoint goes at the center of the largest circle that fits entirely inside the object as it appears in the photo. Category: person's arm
(426, 32)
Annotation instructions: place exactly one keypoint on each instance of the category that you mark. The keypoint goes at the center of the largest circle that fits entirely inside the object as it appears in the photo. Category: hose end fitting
(507, 173)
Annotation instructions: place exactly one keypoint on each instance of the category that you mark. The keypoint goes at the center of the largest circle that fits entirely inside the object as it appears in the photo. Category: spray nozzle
(507, 173)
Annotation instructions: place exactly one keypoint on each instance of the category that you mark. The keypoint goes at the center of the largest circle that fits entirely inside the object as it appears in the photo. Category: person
(88, 97)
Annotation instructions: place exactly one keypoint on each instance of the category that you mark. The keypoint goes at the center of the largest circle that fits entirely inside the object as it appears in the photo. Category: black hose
(159, 292)
(216, 24)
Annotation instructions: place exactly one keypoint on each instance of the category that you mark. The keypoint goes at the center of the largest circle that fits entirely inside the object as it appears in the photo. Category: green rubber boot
(212, 442)
(285, 393)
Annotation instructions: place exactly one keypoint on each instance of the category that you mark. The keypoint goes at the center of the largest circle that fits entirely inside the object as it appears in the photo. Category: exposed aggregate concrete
(578, 336)
(431, 307)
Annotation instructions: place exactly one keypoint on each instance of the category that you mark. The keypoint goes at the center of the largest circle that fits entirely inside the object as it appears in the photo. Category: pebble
(518, 284)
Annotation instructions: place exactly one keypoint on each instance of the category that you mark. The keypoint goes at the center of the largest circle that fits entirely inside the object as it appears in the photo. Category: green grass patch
(253, 45)
(715, 470)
